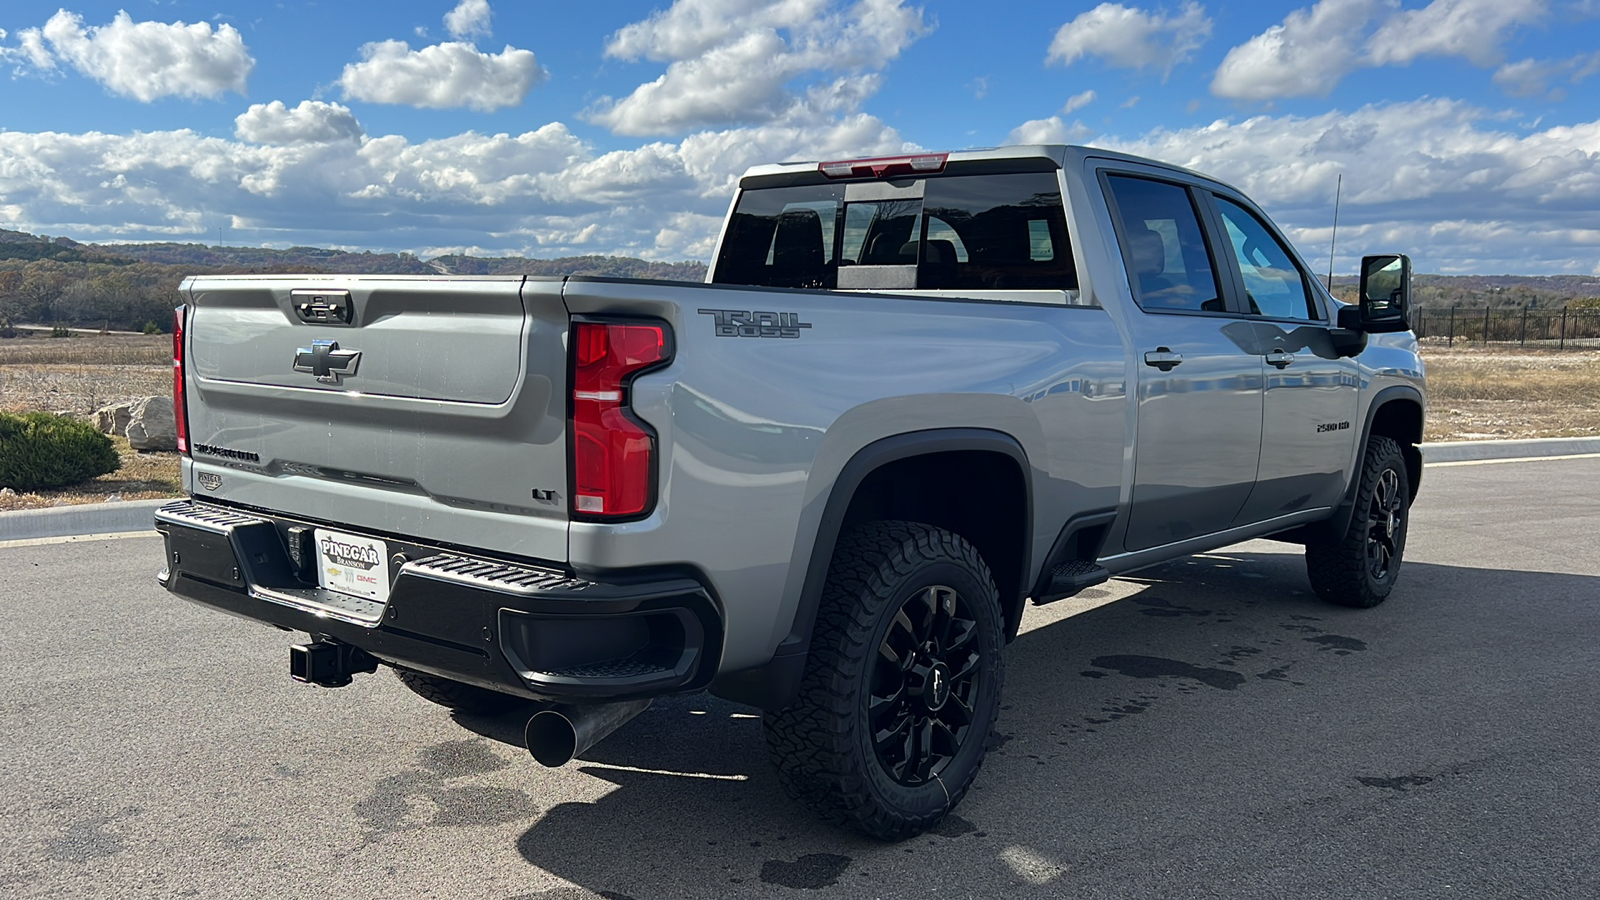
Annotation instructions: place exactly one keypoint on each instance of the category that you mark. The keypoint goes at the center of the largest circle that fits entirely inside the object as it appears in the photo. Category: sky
(1466, 132)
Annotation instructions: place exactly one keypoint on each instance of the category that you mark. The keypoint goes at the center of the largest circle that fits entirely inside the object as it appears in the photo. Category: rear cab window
(980, 232)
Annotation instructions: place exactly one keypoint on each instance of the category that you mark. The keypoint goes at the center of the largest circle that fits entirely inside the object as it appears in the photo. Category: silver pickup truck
(917, 392)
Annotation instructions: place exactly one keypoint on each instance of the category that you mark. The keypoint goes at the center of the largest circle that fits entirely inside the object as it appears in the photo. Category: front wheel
(1359, 568)
(902, 685)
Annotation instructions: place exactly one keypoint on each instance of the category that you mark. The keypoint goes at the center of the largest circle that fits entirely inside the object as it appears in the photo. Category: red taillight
(885, 166)
(180, 406)
(613, 453)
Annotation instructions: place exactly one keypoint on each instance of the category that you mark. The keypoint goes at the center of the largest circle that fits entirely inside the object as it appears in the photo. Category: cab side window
(1163, 246)
(1274, 286)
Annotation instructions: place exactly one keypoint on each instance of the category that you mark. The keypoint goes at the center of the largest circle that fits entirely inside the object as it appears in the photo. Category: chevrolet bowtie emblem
(325, 360)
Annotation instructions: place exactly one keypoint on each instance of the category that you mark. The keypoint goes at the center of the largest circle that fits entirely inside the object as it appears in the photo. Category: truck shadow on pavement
(1217, 689)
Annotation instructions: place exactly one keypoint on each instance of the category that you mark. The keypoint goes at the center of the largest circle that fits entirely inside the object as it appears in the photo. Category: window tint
(995, 232)
(940, 230)
(1010, 231)
(1164, 246)
(1274, 285)
(888, 233)
(783, 237)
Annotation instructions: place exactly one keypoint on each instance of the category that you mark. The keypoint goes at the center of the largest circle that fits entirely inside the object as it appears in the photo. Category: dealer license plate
(351, 564)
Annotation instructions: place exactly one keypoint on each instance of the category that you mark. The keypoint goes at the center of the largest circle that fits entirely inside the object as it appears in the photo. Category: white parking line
(1490, 462)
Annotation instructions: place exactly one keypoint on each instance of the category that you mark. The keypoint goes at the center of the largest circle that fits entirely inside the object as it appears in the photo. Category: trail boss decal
(755, 323)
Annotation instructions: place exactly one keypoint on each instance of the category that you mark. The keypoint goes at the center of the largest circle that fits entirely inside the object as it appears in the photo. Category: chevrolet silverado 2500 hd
(915, 393)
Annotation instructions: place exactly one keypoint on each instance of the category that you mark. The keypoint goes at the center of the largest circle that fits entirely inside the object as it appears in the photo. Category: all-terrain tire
(1359, 568)
(907, 641)
(466, 698)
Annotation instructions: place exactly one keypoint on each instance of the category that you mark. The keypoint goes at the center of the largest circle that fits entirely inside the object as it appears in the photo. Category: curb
(136, 515)
(1528, 448)
(87, 518)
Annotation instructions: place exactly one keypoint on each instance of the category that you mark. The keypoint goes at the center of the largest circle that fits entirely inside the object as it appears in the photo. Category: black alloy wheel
(1359, 566)
(924, 683)
(1385, 520)
(902, 684)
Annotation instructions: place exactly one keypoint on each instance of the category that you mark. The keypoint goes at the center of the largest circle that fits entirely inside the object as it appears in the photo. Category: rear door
(419, 407)
(1199, 389)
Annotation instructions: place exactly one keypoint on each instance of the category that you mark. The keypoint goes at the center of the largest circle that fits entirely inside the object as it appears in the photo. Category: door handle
(1280, 358)
(1162, 358)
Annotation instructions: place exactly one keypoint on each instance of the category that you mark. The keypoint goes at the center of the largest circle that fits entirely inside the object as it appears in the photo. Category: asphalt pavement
(1205, 728)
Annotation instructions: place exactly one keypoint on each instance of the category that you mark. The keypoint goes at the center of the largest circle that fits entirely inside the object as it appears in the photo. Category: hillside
(134, 286)
(316, 259)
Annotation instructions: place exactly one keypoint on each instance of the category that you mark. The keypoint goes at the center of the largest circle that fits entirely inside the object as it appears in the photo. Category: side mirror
(1385, 293)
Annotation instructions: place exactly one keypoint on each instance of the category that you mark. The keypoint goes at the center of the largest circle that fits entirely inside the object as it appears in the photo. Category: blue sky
(1467, 131)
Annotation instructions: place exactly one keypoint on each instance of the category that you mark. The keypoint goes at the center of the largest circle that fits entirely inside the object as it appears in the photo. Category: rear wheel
(902, 685)
(461, 697)
(1359, 568)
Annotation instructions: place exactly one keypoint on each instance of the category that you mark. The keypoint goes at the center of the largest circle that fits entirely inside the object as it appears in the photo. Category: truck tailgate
(427, 408)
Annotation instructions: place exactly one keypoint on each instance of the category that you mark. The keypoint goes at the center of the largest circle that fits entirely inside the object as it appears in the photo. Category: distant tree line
(1493, 291)
(134, 287)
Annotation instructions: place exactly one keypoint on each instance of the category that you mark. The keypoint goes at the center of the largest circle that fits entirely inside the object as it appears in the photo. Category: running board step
(1070, 577)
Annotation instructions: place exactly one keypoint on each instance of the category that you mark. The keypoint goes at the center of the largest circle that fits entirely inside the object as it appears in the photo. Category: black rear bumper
(511, 626)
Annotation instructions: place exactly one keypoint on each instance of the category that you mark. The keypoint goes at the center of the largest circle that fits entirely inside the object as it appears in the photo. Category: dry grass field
(1476, 394)
(78, 375)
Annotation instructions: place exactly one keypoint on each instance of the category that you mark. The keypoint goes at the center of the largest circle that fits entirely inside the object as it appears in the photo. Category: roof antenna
(1332, 241)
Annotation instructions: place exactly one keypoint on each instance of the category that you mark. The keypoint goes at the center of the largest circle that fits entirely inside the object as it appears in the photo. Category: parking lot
(1205, 728)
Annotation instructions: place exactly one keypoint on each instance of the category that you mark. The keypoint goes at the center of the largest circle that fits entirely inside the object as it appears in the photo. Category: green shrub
(61, 331)
(44, 450)
(152, 328)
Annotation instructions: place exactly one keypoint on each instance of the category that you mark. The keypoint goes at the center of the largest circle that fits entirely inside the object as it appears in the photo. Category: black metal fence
(1567, 328)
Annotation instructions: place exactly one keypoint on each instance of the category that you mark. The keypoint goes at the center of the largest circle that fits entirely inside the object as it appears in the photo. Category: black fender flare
(774, 685)
(1339, 522)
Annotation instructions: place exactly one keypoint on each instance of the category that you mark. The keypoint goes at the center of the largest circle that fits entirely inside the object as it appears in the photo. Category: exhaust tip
(551, 738)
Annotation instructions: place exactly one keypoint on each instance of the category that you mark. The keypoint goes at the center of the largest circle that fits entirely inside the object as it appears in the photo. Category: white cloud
(1305, 55)
(732, 61)
(1078, 101)
(689, 28)
(543, 192)
(441, 76)
(1472, 29)
(143, 60)
(1460, 187)
(312, 122)
(30, 54)
(1313, 49)
(1526, 78)
(1534, 77)
(469, 19)
(1129, 38)
(1049, 131)
(1437, 178)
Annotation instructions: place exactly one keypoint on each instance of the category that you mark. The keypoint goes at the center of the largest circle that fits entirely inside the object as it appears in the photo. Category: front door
(1310, 401)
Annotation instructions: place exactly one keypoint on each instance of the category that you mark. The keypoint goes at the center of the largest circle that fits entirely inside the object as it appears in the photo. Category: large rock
(114, 419)
(152, 426)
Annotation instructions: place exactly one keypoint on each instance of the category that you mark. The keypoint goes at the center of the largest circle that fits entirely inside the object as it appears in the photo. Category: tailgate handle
(322, 307)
